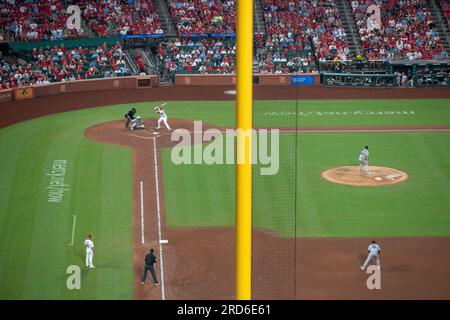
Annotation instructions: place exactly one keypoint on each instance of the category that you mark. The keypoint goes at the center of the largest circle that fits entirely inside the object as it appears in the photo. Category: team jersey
(373, 249)
(162, 113)
(364, 154)
(88, 244)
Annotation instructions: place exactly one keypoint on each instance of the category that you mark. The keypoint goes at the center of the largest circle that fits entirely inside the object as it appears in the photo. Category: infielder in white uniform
(162, 117)
(364, 159)
(89, 245)
(374, 253)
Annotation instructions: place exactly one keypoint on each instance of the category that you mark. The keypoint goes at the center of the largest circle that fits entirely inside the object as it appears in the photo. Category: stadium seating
(57, 63)
(113, 17)
(280, 53)
(203, 56)
(13, 74)
(319, 19)
(203, 16)
(445, 5)
(300, 35)
(406, 33)
(28, 20)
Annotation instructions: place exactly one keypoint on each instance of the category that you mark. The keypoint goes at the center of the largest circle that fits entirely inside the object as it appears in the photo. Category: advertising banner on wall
(303, 80)
(23, 93)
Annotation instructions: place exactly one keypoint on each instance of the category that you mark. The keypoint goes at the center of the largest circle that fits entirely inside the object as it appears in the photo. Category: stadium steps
(162, 9)
(150, 62)
(87, 31)
(130, 61)
(258, 17)
(344, 7)
(440, 21)
(150, 67)
(154, 59)
(255, 66)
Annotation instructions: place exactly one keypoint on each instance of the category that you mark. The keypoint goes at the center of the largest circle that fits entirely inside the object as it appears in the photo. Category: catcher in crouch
(162, 116)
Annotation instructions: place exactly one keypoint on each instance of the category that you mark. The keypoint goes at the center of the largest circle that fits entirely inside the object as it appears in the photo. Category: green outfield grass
(417, 207)
(35, 235)
(353, 112)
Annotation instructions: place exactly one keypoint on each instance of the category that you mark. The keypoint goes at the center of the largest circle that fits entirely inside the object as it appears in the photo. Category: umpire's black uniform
(129, 116)
(150, 260)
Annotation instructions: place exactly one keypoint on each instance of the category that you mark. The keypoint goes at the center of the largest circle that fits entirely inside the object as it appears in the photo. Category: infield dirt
(199, 262)
(376, 176)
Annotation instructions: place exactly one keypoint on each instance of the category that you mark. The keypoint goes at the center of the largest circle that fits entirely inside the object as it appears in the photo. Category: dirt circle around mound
(377, 176)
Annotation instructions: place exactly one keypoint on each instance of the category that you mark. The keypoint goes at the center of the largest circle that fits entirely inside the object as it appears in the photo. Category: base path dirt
(199, 262)
(183, 263)
(376, 176)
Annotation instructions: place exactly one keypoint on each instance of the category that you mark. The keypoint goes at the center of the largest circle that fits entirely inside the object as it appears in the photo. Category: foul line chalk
(74, 222)
(142, 212)
(158, 209)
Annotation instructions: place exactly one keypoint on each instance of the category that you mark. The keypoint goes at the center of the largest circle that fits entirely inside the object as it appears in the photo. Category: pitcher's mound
(378, 176)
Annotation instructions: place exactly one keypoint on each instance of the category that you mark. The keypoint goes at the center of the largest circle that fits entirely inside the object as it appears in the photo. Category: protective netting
(275, 203)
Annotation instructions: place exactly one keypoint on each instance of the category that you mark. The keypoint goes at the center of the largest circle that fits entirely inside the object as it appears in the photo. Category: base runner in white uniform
(162, 117)
(89, 245)
(374, 253)
(364, 159)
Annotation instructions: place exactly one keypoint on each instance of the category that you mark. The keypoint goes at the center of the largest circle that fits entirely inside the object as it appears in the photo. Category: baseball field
(67, 173)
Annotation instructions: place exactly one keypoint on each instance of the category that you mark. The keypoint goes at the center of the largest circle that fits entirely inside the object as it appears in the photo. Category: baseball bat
(162, 105)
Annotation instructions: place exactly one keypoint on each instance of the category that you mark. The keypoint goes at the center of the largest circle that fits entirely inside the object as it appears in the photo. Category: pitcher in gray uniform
(374, 253)
(364, 159)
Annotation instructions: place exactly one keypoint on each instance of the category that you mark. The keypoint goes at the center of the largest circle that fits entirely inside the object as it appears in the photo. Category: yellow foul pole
(244, 51)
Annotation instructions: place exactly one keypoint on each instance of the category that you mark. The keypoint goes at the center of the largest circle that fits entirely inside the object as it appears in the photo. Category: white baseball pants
(369, 258)
(89, 257)
(163, 119)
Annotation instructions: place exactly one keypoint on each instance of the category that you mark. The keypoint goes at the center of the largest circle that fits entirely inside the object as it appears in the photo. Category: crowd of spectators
(203, 16)
(203, 56)
(27, 20)
(14, 74)
(57, 63)
(113, 17)
(284, 53)
(445, 5)
(61, 64)
(300, 35)
(406, 30)
(318, 19)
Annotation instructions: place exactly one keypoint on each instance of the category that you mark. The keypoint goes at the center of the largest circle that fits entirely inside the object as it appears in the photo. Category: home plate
(163, 241)
(155, 132)
(378, 178)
